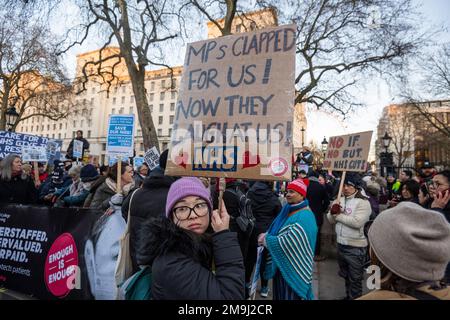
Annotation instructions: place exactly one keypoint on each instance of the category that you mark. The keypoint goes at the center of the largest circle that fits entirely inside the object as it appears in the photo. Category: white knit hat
(412, 242)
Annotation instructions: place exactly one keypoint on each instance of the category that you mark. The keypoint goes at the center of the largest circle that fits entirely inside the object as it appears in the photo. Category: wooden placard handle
(222, 186)
(119, 174)
(341, 186)
(36, 172)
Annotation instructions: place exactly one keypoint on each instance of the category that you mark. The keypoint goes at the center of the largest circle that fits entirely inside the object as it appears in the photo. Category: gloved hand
(336, 209)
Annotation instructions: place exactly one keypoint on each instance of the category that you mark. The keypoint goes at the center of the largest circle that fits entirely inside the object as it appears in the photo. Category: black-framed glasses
(184, 212)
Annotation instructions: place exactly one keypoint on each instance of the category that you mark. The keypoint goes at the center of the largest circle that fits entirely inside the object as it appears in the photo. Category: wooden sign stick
(341, 186)
(119, 174)
(36, 172)
(222, 186)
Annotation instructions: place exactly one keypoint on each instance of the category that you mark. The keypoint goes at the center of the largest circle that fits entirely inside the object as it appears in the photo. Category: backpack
(245, 220)
(138, 286)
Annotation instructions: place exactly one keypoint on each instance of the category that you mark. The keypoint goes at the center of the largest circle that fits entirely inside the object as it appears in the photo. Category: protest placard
(152, 158)
(348, 152)
(33, 153)
(235, 107)
(138, 161)
(120, 140)
(77, 149)
(12, 142)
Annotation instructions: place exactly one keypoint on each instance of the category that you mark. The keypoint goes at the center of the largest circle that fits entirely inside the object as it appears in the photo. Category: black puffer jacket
(318, 199)
(265, 205)
(149, 201)
(18, 190)
(182, 263)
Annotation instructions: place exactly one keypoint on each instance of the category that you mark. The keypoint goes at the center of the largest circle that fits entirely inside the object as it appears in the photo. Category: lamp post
(324, 147)
(303, 136)
(11, 118)
(386, 160)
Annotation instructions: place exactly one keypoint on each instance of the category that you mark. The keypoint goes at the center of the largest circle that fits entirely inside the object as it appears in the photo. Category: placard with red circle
(60, 264)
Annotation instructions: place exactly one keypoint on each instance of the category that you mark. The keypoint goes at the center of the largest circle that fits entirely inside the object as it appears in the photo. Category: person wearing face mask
(15, 186)
(76, 198)
(193, 254)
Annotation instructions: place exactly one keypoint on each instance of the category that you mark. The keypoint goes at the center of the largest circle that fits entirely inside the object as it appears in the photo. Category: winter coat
(265, 205)
(101, 197)
(182, 263)
(148, 202)
(350, 223)
(441, 294)
(101, 253)
(69, 154)
(318, 199)
(95, 185)
(18, 190)
(445, 211)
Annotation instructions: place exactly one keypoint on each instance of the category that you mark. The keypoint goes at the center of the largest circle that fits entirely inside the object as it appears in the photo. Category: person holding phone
(439, 188)
(193, 254)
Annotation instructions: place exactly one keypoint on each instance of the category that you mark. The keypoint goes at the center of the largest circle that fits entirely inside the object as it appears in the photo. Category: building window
(73, 134)
(60, 126)
(152, 96)
(31, 128)
(124, 89)
(238, 28)
(59, 135)
(162, 96)
(115, 89)
(170, 132)
(174, 83)
(89, 123)
(253, 26)
(152, 86)
(142, 147)
(65, 135)
(92, 90)
(103, 146)
(163, 84)
(161, 107)
(123, 100)
(160, 120)
(92, 101)
(171, 119)
(89, 133)
(159, 132)
(114, 101)
(172, 106)
(173, 94)
(121, 110)
(164, 145)
(66, 125)
(53, 136)
(113, 111)
(131, 110)
(48, 127)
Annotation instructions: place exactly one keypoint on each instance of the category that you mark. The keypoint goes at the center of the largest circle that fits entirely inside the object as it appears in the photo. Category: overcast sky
(376, 94)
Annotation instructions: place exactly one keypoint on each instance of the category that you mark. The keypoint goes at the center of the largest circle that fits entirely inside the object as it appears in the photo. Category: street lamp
(303, 136)
(386, 141)
(11, 117)
(324, 147)
(386, 160)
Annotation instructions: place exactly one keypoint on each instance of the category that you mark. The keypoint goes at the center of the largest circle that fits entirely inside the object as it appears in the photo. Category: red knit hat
(299, 186)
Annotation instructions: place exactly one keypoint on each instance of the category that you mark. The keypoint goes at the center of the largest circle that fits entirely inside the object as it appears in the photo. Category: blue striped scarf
(283, 216)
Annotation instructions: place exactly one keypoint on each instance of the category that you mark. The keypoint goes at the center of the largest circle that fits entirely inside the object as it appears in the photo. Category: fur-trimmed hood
(160, 235)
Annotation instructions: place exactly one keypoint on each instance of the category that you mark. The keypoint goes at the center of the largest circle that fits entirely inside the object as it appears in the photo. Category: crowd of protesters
(196, 250)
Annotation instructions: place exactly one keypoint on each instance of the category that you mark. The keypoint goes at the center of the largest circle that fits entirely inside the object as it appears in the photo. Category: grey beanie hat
(412, 242)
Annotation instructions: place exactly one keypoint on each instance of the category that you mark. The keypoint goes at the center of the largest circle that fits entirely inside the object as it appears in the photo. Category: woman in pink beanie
(193, 254)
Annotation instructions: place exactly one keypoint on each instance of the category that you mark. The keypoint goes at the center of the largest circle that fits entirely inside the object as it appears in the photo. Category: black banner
(42, 250)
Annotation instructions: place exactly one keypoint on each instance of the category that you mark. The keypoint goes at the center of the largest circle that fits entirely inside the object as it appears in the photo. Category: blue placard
(12, 142)
(120, 135)
(138, 161)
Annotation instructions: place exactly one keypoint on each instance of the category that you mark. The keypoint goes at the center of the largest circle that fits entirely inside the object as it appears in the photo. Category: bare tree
(138, 27)
(339, 42)
(434, 69)
(30, 71)
(402, 136)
